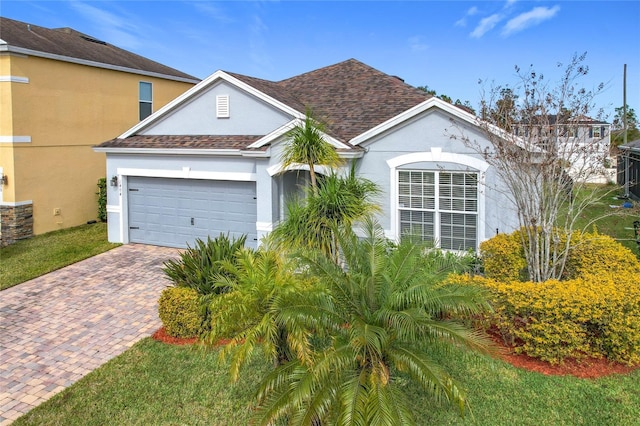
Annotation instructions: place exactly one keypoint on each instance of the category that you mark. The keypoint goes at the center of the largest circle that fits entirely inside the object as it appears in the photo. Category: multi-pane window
(438, 206)
(596, 133)
(146, 99)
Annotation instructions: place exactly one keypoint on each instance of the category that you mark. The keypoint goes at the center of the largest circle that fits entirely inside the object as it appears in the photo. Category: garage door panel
(174, 212)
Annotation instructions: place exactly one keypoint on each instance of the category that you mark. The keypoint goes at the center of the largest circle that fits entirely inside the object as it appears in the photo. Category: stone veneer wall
(16, 223)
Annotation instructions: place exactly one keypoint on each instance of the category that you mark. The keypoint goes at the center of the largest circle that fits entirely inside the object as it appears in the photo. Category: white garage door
(174, 212)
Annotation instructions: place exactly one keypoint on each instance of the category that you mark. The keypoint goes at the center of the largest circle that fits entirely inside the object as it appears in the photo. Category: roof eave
(200, 87)
(53, 56)
(170, 151)
(285, 128)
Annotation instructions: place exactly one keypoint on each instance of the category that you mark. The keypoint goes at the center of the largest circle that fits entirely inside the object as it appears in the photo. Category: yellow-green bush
(503, 258)
(593, 253)
(592, 316)
(593, 311)
(180, 311)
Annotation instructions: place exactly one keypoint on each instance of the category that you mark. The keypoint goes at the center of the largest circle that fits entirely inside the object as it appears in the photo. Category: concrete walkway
(57, 328)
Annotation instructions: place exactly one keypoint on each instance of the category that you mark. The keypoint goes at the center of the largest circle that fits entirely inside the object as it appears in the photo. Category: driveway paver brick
(57, 328)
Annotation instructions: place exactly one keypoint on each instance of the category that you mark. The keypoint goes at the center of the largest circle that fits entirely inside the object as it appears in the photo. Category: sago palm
(387, 313)
(258, 286)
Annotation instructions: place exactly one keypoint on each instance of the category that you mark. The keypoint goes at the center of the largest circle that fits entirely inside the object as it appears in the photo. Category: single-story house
(629, 169)
(210, 160)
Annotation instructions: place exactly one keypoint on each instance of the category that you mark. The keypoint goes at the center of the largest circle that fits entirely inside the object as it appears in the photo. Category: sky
(458, 48)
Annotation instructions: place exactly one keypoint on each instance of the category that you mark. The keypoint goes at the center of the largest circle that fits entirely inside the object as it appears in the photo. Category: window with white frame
(439, 206)
(596, 132)
(145, 99)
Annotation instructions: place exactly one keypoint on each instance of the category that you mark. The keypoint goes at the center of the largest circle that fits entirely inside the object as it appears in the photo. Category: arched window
(437, 202)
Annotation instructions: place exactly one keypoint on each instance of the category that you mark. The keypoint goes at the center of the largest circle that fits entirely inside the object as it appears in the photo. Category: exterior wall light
(4, 180)
(114, 180)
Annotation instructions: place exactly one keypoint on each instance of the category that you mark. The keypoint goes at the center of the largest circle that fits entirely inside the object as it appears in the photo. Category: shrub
(503, 258)
(594, 253)
(102, 199)
(592, 316)
(594, 311)
(199, 266)
(180, 312)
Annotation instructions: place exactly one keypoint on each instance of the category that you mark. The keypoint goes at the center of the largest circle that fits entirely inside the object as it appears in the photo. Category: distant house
(629, 169)
(583, 141)
(210, 161)
(61, 92)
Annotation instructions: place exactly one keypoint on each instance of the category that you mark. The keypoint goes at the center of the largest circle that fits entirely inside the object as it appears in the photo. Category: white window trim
(13, 79)
(140, 100)
(436, 155)
(15, 139)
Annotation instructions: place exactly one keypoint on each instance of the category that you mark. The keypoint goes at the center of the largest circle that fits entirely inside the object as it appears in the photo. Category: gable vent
(222, 106)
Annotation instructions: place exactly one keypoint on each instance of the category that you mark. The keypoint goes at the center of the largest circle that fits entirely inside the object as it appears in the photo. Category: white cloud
(485, 25)
(417, 44)
(525, 20)
(462, 22)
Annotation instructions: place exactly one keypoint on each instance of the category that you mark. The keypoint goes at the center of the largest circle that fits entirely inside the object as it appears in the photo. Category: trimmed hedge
(503, 257)
(594, 311)
(180, 312)
(593, 316)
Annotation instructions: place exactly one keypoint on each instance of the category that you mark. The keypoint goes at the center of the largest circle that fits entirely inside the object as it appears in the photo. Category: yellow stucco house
(62, 92)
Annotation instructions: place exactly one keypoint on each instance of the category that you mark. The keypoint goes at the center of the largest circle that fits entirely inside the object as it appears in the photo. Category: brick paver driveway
(57, 328)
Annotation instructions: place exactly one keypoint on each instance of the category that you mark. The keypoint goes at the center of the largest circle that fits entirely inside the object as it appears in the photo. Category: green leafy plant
(199, 266)
(102, 199)
(306, 145)
(385, 314)
(337, 201)
(259, 286)
(180, 312)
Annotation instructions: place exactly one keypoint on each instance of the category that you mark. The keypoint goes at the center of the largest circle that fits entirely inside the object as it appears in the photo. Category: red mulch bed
(161, 336)
(589, 368)
(585, 369)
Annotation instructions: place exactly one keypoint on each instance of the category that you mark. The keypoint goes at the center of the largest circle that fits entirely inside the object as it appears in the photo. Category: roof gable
(74, 46)
(356, 101)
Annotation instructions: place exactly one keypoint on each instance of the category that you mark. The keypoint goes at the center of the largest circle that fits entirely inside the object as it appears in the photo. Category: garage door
(174, 212)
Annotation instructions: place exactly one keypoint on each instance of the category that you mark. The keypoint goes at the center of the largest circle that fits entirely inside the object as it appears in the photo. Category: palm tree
(258, 285)
(386, 313)
(312, 221)
(308, 146)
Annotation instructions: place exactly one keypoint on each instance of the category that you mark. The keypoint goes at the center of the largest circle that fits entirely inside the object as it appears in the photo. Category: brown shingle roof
(73, 44)
(353, 97)
(350, 97)
(183, 141)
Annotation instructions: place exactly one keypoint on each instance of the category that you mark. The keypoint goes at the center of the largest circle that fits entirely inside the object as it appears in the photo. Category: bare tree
(546, 147)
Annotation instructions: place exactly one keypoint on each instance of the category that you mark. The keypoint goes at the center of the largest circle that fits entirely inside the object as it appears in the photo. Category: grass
(615, 222)
(27, 259)
(154, 383)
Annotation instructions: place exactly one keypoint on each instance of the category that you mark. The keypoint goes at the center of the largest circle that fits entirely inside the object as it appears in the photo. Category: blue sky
(448, 46)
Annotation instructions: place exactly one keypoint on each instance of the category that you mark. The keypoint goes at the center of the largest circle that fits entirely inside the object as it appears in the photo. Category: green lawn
(616, 222)
(158, 384)
(27, 259)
